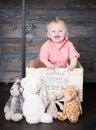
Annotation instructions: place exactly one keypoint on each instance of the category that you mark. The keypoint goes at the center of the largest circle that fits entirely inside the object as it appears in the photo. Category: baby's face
(56, 32)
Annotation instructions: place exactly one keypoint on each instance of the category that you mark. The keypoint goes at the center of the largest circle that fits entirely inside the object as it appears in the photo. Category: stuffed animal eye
(18, 84)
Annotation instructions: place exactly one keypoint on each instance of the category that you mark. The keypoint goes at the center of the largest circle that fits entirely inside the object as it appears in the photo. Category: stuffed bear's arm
(79, 103)
(46, 101)
(7, 105)
(21, 101)
(59, 95)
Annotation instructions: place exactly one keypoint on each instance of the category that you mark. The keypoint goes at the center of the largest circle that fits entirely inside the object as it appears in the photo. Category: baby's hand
(57, 66)
(50, 66)
(70, 68)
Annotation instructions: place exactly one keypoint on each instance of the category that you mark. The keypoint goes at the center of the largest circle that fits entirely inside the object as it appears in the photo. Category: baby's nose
(57, 33)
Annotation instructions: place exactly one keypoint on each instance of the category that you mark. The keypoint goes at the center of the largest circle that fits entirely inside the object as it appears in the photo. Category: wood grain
(80, 17)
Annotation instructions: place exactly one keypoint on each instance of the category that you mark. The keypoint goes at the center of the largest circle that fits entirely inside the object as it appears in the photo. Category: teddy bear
(51, 101)
(36, 63)
(13, 106)
(33, 107)
(72, 106)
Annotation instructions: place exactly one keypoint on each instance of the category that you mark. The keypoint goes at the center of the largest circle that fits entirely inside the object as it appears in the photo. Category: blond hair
(57, 20)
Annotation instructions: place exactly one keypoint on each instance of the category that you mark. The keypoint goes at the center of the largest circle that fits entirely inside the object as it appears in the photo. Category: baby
(58, 50)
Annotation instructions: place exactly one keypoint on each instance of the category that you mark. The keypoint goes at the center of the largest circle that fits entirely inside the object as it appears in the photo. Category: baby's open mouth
(57, 37)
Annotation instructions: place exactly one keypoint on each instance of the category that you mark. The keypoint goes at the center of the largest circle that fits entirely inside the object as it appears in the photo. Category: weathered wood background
(79, 15)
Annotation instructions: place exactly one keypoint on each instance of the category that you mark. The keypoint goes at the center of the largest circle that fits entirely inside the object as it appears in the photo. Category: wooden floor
(87, 120)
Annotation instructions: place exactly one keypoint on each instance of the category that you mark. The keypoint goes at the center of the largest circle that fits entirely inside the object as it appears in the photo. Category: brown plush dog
(36, 63)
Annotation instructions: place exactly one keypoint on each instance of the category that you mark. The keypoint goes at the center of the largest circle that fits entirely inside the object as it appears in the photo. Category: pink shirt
(59, 56)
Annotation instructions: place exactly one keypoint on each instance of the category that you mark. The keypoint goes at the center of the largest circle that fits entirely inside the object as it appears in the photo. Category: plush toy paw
(17, 117)
(32, 119)
(35, 119)
(8, 115)
(46, 118)
(6, 109)
(61, 116)
(74, 119)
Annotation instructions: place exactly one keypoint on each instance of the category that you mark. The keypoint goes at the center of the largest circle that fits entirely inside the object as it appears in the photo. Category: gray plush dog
(13, 107)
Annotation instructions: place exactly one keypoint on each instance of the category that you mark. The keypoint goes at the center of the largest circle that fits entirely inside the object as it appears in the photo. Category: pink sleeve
(72, 51)
(44, 51)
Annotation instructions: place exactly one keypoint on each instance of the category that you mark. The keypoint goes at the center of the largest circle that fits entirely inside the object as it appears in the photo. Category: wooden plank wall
(80, 17)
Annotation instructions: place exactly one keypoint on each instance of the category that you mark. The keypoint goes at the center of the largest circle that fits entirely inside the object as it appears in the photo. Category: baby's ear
(66, 34)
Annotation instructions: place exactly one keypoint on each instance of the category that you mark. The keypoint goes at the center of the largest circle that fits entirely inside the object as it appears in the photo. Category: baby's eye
(60, 31)
(53, 31)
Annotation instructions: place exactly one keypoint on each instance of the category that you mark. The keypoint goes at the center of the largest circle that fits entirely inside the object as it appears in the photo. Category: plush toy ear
(62, 88)
(75, 88)
(23, 82)
(43, 91)
(36, 64)
(18, 81)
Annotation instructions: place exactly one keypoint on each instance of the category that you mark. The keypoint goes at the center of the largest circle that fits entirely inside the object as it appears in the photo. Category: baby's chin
(58, 41)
